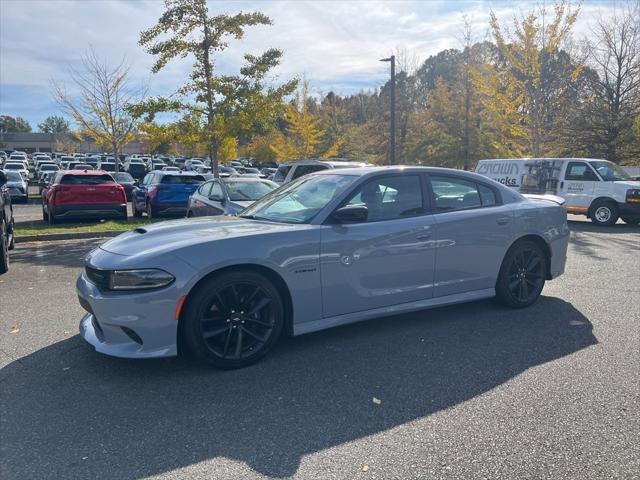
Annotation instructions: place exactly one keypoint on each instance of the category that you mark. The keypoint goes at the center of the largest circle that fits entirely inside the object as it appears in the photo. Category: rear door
(577, 186)
(473, 232)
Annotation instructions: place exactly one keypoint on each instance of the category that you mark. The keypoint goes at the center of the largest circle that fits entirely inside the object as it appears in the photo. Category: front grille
(99, 277)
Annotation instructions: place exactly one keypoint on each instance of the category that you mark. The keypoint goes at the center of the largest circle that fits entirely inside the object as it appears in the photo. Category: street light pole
(392, 107)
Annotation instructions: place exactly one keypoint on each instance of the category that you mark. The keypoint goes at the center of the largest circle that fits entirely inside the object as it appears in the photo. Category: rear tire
(604, 213)
(631, 221)
(151, 213)
(45, 216)
(4, 248)
(52, 218)
(124, 216)
(522, 275)
(233, 319)
(136, 213)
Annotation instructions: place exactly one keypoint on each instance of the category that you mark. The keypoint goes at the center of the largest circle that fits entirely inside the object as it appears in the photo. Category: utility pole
(392, 107)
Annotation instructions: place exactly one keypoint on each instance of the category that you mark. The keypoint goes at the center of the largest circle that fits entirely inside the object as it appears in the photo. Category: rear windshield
(86, 179)
(14, 166)
(182, 179)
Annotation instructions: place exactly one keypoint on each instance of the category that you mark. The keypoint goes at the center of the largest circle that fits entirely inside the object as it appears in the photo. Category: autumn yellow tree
(527, 80)
(303, 137)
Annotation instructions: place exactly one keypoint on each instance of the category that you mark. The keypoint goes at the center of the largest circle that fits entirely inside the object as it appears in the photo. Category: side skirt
(324, 323)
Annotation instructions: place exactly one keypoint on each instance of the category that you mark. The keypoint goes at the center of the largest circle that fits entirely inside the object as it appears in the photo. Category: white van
(599, 189)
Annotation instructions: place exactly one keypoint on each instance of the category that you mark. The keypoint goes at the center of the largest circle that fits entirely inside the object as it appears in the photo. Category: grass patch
(41, 228)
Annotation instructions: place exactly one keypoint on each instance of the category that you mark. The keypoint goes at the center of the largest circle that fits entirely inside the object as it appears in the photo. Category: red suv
(83, 194)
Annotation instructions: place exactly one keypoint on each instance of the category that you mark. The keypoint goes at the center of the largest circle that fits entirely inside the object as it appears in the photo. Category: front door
(577, 186)
(387, 260)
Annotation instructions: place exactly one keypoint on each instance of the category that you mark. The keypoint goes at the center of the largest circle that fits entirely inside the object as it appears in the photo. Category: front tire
(136, 213)
(522, 275)
(4, 248)
(233, 319)
(604, 213)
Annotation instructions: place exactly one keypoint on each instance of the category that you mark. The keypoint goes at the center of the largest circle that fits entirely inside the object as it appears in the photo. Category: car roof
(582, 159)
(172, 173)
(84, 172)
(315, 161)
(372, 170)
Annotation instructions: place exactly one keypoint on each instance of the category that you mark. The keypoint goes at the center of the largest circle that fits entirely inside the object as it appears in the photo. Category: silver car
(332, 248)
(227, 196)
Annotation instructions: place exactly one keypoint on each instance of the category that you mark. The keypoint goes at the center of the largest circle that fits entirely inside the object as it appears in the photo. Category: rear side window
(182, 179)
(458, 194)
(579, 171)
(205, 189)
(307, 169)
(86, 179)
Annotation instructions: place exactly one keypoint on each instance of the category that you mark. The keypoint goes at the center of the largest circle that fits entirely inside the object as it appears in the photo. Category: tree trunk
(116, 160)
(213, 156)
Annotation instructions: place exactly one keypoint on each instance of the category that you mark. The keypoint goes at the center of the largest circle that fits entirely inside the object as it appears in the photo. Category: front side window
(459, 194)
(389, 198)
(299, 201)
(216, 190)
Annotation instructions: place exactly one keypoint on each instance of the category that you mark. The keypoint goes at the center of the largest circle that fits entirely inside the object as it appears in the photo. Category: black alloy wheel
(234, 319)
(522, 275)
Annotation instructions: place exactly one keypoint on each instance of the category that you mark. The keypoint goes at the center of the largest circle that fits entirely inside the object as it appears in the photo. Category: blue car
(164, 193)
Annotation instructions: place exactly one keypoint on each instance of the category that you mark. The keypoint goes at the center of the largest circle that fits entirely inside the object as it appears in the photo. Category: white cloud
(335, 44)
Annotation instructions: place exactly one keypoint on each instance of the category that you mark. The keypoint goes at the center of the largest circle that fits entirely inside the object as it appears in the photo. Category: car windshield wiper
(253, 217)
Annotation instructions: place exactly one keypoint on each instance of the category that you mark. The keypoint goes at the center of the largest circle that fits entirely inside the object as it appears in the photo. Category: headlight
(633, 195)
(139, 279)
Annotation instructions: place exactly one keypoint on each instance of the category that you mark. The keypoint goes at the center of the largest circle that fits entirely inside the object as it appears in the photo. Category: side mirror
(3, 178)
(351, 214)
(216, 197)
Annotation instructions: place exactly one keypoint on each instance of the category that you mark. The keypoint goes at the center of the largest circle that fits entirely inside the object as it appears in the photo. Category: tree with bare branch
(99, 102)
(614, 54)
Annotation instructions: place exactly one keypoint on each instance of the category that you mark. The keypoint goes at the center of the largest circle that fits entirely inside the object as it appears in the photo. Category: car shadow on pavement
(59, 253)
(69, 412)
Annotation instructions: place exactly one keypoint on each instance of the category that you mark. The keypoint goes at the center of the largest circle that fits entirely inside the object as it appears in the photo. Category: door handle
(423, 236)
(561, 184)
(503, 220)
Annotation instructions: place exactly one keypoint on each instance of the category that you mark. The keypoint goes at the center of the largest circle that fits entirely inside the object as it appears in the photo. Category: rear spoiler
(549, 198)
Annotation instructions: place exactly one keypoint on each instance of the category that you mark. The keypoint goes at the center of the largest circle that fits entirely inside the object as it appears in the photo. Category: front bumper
(134, 324)
(629, 209)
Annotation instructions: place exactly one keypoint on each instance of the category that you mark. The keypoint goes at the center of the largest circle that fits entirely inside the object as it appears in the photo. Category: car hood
(170, 236)
(628, 183)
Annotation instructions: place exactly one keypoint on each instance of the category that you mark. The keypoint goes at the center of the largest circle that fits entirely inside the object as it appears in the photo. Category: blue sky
(333, 44)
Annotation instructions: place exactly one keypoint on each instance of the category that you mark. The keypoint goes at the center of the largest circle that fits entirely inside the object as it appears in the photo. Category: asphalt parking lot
(469, 391)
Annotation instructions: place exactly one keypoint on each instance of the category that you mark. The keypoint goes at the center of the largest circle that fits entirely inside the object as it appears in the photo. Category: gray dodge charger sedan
(332, 248)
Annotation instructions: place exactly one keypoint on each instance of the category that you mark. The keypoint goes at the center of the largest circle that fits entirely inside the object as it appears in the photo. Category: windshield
(248, 191)
(299, 201)
(182, 179)
(610, 172)
(14, 177)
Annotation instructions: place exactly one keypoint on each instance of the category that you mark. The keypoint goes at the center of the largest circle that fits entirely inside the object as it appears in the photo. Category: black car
(126, 180)
(7, 242)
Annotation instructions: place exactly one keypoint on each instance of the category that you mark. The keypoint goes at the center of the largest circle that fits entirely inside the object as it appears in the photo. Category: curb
(67, 236)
